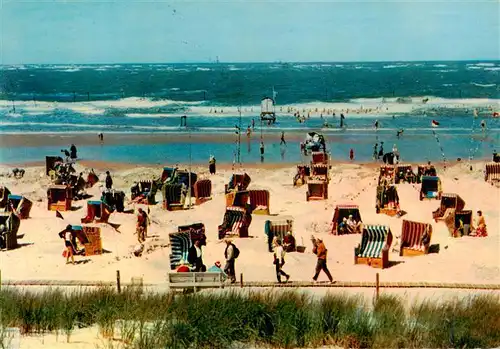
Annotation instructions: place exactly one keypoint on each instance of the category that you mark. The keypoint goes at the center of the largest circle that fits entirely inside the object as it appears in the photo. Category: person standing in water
(282, 138)
(376, 125)
(399, 133)
(351, 154)
(375, 151)
(253, 124)
(261, 151)
(381, 150)
(342, 117)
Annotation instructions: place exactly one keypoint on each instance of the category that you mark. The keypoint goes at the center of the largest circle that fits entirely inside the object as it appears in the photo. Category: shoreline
(221, 166)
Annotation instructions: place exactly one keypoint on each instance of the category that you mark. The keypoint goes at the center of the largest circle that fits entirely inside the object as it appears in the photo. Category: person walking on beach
(282, 138)
(231, 253)
(67, 235)
(72, 151)
(142, 225)
(351, 154)
(109, 181)
(320, 251)
(279, 261)
(211, 164)
(375, 151)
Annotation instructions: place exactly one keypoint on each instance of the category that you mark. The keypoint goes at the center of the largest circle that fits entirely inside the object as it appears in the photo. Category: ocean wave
(203, 69)
(492, 69)
(484, 64)
(483, 85)
(392, 66)
(439, 65)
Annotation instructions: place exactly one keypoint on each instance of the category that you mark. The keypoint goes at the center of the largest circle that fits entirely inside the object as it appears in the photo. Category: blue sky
(247, 31)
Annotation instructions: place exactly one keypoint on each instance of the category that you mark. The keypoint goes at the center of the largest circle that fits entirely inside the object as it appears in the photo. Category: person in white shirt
(279, 261)
(352, 225)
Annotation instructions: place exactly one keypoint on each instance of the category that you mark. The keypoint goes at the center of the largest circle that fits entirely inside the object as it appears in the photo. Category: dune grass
(285, 319)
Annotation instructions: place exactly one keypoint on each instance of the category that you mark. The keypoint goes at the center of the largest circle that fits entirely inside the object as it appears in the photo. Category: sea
(217, 98)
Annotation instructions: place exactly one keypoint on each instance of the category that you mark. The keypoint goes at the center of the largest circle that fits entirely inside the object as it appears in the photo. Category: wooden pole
(241, 280)
(118, 285)
(377, 286)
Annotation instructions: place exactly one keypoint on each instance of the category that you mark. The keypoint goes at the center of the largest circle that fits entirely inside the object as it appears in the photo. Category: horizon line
(263, 62)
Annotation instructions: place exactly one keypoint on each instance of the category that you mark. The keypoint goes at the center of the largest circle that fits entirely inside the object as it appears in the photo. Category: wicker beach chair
(415, 238)
(259, 201)
(19, 205)
(374, 247)
(344, 211)
(235, 222)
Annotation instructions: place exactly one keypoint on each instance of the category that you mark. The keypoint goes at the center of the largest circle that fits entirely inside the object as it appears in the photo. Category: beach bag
(236, 251)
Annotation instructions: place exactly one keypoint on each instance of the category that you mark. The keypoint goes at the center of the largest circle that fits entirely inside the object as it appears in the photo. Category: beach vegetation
(285, 319)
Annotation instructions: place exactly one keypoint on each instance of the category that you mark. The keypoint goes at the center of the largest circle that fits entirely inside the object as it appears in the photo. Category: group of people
(349, 226)
(195, 262)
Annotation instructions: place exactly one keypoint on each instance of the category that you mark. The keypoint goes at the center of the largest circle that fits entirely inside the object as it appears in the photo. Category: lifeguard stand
(267, 112)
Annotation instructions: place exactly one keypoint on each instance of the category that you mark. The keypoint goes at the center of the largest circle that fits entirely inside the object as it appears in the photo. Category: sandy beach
(468, 260)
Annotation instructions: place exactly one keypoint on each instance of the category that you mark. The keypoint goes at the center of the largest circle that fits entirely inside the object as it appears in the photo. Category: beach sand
(460, 260)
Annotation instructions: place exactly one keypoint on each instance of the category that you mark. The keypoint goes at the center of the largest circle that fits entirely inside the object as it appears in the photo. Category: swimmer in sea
(399, 133)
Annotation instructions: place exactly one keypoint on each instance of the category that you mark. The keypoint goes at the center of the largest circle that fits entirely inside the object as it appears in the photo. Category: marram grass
(285, 319)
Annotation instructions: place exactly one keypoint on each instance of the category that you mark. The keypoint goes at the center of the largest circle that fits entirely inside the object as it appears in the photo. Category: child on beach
(67, 235)
(351, 154)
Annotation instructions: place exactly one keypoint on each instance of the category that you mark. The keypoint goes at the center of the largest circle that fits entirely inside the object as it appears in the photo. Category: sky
(76, 32)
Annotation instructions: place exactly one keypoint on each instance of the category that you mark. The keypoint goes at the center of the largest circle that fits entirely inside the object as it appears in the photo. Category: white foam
(483, 85)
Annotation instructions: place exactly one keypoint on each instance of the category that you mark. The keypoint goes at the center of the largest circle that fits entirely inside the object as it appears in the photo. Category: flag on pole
(434, 123)
(59, 215)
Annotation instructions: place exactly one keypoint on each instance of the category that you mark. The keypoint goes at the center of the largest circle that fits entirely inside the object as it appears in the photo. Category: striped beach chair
(320, 171)
(387, 201)
(59, 198)
(317, 189)
(492, 172)
(91, 179)
(341, 212)
(401, 174)
(374, 248)
(4, 196)
(386, 175)
(174, 196)
(415, 238)
(11, 223)
(237, 199)
(259, 201)
(50, 162)
(19, 205)
(202, 191)
(182, 177)
(168, 172)
(449, 204)
(303, 173)
(180, 243)
(238, 181)
(196, 232)
(430, 188)
(89, 238)
(459, 224)
(97, 212)
(282, 228)
(425, 170)
(236, 222)
(319, 157)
